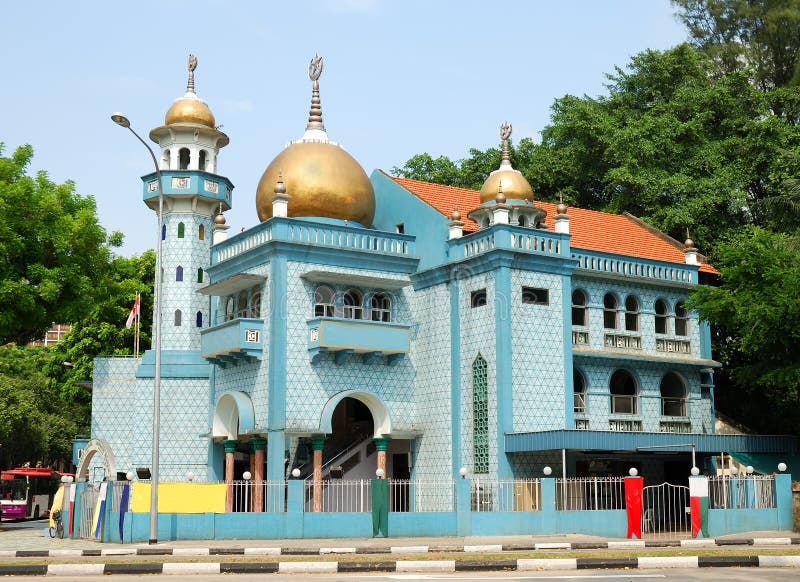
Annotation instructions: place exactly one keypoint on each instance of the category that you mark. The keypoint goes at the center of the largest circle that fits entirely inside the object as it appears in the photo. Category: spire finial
(315, 115)
(561, 208)
(191, 65)
(689, 243)
(505, 134)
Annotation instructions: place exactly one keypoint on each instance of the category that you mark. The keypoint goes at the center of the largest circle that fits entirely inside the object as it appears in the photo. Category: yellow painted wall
(180, 497)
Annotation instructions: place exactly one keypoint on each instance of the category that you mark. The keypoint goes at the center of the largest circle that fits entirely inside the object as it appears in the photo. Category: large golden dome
(322, 180)
(514, 185)
(190, 109)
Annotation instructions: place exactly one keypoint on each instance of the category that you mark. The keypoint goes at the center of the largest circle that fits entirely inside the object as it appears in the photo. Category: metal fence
(246, 496)
(665, 510)
(506, 495)
(590, 493)
(424, 496)
(336, 495)
(750, 492)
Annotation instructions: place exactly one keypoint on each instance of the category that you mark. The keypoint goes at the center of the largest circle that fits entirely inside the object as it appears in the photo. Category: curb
(432, 566)
(327, 550)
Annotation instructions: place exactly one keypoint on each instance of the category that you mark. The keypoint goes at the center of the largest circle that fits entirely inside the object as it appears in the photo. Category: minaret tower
(193, 194)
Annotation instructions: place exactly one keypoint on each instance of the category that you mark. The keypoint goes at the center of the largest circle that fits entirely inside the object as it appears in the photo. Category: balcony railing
(318, 235)
(371, 340)
(233, 341)
(513, 238)
(580, 338)
(673, 346)
(624, 425)
(635, 268)
(675, 426)
(620, 341)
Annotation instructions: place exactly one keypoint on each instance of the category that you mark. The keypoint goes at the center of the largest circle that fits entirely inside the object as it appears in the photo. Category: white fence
(750, 492)
(336, 496)
(246, 496)
(406, 495)
(506, 495)
(590, 494)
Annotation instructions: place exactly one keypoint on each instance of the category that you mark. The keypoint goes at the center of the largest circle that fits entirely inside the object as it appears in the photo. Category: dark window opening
(534, 296)
(478, 298)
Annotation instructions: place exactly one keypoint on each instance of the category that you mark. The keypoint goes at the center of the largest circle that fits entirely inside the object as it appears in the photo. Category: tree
(755, 315)
(760, 35)
(35, 422)
(51, 251)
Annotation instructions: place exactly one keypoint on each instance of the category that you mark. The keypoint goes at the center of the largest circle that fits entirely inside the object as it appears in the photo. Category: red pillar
(230, 449)
(259, 446)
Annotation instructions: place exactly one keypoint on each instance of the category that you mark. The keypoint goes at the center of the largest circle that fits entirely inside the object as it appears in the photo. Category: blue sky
(400, 78)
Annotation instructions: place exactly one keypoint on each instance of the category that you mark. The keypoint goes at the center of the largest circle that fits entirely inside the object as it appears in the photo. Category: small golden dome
(190, 109)
(513, 183)
(322, 179)
(506, 179)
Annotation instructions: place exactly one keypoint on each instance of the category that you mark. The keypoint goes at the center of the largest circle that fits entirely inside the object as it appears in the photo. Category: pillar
(317, 444)
(230, 449)
(381, 444)
(259, 446)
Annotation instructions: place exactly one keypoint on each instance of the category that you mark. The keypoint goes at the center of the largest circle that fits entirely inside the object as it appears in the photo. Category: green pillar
(230, 445)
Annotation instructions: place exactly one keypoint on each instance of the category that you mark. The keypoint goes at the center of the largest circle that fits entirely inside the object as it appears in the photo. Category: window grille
(681, 320)
(323, 302)
(610, 311)
(381, 307)
(662, 316)
(624, 398)
(480, 415)
(631, 313)
(579, 308)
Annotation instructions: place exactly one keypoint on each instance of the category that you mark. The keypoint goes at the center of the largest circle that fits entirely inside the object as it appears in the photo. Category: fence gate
(665, 510)
(89, 498)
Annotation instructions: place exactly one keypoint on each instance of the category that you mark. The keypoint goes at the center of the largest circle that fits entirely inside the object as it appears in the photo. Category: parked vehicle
(27, 492)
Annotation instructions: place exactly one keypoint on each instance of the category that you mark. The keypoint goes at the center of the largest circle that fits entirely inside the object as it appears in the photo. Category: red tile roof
(621, 234)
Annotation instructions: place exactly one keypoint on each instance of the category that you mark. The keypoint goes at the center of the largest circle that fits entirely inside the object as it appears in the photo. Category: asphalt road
(676, 575)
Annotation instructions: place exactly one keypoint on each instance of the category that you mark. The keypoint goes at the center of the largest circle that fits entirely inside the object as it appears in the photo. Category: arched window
(323, 302)
(579, 387)
(181, 230)
(623, 390)
(478, 298)
(381, 307)
(579, 315)
(255, 302)
(353, 305)
(199, 319)
(166, 155)
(202, 160)
(177, 318)
(610, 311)
(183, 159)
(662, 316)
(201, 232)
(681, 320)
(631, 313)
(480, 415)
(523, 221)
(230, 308)
(241, 304)
(200, 275)
(163, 232)
(673, 395)
(179, 273)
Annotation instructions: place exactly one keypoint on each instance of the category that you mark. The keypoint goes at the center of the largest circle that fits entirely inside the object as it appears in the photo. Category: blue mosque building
(375, 322)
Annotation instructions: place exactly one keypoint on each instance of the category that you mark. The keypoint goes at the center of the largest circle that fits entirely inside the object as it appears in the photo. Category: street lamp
(123, 121)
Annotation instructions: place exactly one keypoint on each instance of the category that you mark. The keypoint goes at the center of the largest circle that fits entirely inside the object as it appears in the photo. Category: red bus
(28, 492)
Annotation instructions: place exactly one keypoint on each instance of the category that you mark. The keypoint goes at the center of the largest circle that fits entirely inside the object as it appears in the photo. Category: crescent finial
(191, 65)
(315, 68)
(505, 133)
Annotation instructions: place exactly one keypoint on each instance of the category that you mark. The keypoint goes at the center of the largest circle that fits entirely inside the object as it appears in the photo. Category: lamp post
(123, 121)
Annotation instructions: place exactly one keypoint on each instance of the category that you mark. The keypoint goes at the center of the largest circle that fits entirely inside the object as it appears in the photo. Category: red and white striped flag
(134, 312)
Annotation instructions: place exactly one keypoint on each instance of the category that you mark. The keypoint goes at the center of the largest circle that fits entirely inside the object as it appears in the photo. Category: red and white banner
(698, 502)
(134, 311)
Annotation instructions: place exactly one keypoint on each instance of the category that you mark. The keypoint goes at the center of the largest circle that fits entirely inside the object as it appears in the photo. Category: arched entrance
(93, 447)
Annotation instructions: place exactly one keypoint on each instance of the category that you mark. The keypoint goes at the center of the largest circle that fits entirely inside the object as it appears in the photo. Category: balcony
(371, 340)
(234, 341)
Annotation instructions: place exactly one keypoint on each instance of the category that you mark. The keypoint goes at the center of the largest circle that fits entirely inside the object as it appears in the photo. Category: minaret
(193, 195)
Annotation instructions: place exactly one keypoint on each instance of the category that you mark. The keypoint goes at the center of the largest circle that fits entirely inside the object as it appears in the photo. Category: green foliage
(760, 36)
(756, 316)
(35, 422)
(52, 250)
